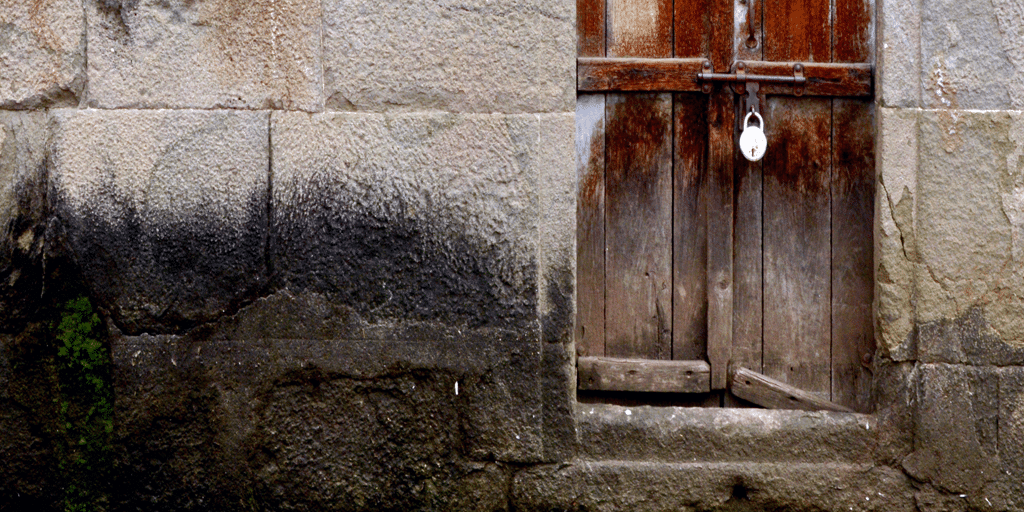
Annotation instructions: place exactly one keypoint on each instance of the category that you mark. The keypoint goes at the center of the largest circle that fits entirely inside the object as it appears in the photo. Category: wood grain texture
(590, 22)
(689, 230)
(721, 124)
(797, 263)
(638, 226)
(797, 30)
(721, 52)
(747, 271)
(852, 31)
(749, 34)
(692, 28)
(590, 158)
(823, 79)
(772, 394)
(639, 28)
(610, 75)
(611, 374)
(853, 192)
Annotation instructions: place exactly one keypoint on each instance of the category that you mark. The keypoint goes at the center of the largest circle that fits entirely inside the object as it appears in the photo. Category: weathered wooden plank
(680, 75)
(721, 123)
(853, 192)
(689, 230)
(767, 392)
(609, 374)
(590, 158)
(590, 22)
(749, 33)
(692, 28)
(797, 263)
(639, 28)
(638, 226)
(852, 31)
(747, 271)
(638, 74)
(797, 30)
(721, 51)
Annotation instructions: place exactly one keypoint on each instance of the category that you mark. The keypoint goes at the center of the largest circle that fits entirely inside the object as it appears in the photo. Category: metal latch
(748, 83)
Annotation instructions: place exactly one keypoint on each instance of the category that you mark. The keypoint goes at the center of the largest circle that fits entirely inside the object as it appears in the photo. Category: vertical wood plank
(748, 40)
(852, 31)
(747, 273)
(692, 28)
(590, 23)
(590, 158)
(689, 230)
(797, 30)
(639, 28)
(797, 263)
(853, 191)
(721, 152)
(638, 226)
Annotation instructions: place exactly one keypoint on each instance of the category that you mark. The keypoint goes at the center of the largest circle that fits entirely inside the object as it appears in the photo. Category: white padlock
(752, 140)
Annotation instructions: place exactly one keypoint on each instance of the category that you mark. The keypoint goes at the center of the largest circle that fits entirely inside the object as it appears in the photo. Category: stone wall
(320, 255)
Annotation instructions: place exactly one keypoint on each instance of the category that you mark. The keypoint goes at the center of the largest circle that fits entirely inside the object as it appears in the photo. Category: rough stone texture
(675, 434)
(42, 53)
(1011, 434)
(23, 215)
(455, 55)
(958, 406)
(971, 56)
(895, 246)
(205, 54)
(165, 211)
(642, 487)
(421, 218)
(969, 221)
(898, 70)
(320, 425)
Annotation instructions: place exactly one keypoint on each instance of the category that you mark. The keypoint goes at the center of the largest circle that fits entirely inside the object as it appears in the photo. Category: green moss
(85, 404)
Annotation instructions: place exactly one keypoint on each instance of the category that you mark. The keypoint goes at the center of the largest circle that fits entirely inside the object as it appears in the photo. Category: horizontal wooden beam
(595, 74)
(611, 374)
(772, 394)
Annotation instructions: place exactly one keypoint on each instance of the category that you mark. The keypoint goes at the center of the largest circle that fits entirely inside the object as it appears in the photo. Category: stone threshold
(691, 434)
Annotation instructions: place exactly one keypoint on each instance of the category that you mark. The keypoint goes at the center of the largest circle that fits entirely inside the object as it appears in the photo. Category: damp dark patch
(557, 321)
(168, 275)
(117, 12)
(385, 266)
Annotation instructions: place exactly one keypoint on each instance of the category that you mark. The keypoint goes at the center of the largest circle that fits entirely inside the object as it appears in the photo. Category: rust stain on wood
(797, 30)
(590, 22)
(590, 154)
(852, 31)
(692, 28)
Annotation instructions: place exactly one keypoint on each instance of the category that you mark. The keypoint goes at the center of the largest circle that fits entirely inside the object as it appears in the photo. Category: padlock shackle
(760, 120)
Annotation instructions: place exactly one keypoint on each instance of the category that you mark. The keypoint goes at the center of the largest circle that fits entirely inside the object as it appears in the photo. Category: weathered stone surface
(321, 425)
(895, 246)
(216, 53)
(898, 82)
(550, 143)
(23, 216)
(165, 211)
(558, 381)
(463, 56)
(970, 220)
(418, 218)
(956, 429)
(42, 53)
(971, 56)
(1011, 434)
(678, 434)
(642, 487)
(894, 395)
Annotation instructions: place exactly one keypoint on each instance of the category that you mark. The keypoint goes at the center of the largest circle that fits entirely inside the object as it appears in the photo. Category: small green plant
(85, 408)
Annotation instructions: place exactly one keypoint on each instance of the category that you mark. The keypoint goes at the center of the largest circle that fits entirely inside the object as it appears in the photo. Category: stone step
(678, 434)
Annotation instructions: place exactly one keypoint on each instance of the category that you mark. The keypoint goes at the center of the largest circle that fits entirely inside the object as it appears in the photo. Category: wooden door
(691, 260)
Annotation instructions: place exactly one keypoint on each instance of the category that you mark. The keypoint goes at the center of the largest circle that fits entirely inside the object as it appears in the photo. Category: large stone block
(1011, 433)
(895, 247)
(971, 57)
(23, 215)
(899, 53)
(419, 218)
(956, 429)
(464, 56)
(42, 53)
(645, 486)
(321, 425)
(165, 211)
(217, 53)
(970, 220)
